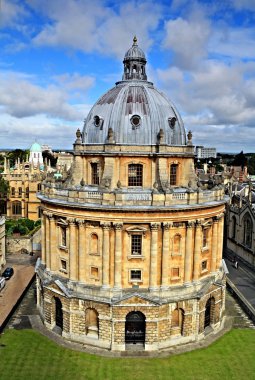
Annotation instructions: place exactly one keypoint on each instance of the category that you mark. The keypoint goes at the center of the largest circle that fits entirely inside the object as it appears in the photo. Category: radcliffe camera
(127, 190)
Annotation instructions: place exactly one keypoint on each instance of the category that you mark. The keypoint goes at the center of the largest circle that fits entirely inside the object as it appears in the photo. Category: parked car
(8, 272)
(2, 283)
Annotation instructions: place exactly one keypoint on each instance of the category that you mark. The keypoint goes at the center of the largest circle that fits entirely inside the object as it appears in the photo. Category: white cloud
(20, 97)
(11, 13)
(92, 26)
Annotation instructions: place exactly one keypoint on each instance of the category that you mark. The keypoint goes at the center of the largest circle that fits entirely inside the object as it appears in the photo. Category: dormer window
(171, 122)
(98, 121)
(135, 121)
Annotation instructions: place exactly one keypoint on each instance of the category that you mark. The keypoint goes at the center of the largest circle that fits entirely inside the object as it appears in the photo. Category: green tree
(240, 160)
(17, 153)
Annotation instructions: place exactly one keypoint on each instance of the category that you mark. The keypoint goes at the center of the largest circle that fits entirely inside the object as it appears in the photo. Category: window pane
(136, 244)
(173, 174)
(94, 173)
(135, 175)
(135, 275)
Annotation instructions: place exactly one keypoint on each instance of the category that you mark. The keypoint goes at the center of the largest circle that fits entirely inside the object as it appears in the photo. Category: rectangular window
(175, 272)
(20, 192)
(94, 173)
(204, 265)
(94, 272)
(27, 192)
(63, 265)
(136, 244)
(173, 174)
(205, 232)
(135, 275)
(13, 192)
(135, 175)
(63, 236)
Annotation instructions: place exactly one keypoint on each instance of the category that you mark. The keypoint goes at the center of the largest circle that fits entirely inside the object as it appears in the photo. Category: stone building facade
(240, 224)
(131, 240)
(24, 180)
(2, 242)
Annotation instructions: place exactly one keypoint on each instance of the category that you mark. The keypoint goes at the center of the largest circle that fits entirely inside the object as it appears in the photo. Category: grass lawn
(25, 354)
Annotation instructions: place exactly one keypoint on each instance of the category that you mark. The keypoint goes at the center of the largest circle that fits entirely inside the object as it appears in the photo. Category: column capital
(199, 223)
(167, 225)
(118, 226)
(216, 219)
(190, 223)
(80, 222)
(51, 217)
(155, 226)
(70, 220)
(106, 225)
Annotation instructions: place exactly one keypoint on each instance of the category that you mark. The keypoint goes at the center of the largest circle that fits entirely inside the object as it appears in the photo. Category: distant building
(202, 152)
(64, 161)
(240, 218)
(24, 180)
(2, 241)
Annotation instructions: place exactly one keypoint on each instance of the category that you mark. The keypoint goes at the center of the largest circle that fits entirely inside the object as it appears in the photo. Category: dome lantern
(134, 63)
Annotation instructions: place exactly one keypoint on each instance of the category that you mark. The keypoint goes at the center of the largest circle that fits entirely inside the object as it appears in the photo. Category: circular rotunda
(131, 239)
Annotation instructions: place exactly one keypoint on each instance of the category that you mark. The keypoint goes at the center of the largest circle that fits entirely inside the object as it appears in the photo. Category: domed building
(35, 156)
(131, 240)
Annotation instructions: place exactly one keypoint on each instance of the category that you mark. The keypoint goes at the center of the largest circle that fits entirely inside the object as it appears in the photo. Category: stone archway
(58, 313)
(209, 312)
(135, 328)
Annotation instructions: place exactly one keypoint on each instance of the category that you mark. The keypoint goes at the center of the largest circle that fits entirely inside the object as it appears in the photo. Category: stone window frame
(181, 245)
(98, 243)
(62, 225)
(94, 276)
(206, 230)
(247, 230)
(179, 273)
(135, 280)
(144, 169)
(177, 164)
(16, 208)
(64, 265)
(89, 171)
(204, 266)
(13, 191)
(136, 230)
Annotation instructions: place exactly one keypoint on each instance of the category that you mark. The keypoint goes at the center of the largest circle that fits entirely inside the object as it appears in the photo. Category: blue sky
(58, 56)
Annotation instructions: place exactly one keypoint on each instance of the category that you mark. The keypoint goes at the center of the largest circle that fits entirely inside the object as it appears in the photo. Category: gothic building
(131, 240)
(240, 223)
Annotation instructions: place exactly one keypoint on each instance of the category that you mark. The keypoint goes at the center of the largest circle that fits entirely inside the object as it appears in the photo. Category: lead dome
(134, 110)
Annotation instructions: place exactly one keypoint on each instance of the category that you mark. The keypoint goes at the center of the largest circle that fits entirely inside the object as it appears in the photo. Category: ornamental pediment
(136, 299)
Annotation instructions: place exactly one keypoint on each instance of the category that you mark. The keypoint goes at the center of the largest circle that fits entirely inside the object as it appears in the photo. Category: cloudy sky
(58, 56)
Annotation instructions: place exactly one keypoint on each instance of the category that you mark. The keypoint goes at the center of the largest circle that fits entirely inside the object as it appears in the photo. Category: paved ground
(243, 278)
(23, 266)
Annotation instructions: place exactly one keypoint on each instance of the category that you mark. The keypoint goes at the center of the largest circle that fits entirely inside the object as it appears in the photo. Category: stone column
(106, 254)
(188, 252)
(154, 256)
(81, 248)
(165, 255)
(48, 246)
(72, 249)
(54, 265)
(197, 250)
(43, 231)
(118, 255)
(214, 244)
(220, 239)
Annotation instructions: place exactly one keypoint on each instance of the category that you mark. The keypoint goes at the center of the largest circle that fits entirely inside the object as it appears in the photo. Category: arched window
(39, 187)
(20, 191)
(177, 244)
(135, 175)
(209, 312)
(92, 323)
(13, 192)
(233, 228)
(173, 174)
(58, 313)
(178, 319)
(16, 208)
(247, 231)
(94, 244)
(27, 192)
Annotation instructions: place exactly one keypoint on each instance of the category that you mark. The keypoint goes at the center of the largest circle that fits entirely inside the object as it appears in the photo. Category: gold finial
(134, 40)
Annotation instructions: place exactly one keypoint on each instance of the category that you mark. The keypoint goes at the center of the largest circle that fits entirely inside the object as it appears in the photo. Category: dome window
(98, 121)
(135, 121)
(171, 122)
